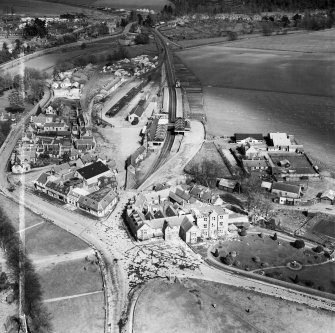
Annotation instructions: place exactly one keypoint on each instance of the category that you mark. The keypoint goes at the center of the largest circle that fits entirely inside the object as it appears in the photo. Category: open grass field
(262, 90)
(46, 62)
(188, 308)
(78, 315)
(35, 7)
(42, 237)
(154, 4)
(270, 252)
(70, 278)
(320, 277)
(207, 156)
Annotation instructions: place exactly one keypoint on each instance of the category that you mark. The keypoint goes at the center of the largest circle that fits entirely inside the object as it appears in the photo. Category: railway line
(169, 140)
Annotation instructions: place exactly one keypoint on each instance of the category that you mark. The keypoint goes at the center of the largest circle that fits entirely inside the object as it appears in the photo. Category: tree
(142, 38)
(298, 244)
(296, 279)
(243, 232)
(274, 237)
(139, 19)
(227, 260)
(318, 249)
(16, 101)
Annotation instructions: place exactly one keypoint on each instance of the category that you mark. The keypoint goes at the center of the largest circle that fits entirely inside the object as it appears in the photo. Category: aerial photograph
(167, 166)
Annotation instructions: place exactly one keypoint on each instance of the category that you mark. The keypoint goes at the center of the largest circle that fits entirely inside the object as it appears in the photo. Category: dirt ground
(277, 100)
(188, 307)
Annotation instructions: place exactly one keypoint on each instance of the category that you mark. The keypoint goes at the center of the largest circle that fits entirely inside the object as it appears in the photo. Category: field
(51, 248)
(208, 160)
(78, 315)
(35, 7)
(155, 4)
(270, 252)
(48, 61)
(326, 227)
(297, 161)
(57, 279)
(188, 307)
(266, 88)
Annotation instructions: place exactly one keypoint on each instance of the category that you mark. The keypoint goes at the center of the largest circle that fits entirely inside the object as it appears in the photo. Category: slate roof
(286, 187)
(93, 170)
(98, 200)
(186, 225)
(43, 178)
(243, 136)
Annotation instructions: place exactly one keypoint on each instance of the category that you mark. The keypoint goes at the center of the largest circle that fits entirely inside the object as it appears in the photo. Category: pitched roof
(186, 225)
(43, 178)
(243, 136)
(280, 139)
(330, 194)
(228, 183)
(286, 187)
(255, 163)
(98, 200)
(175, 197)
(93, 170)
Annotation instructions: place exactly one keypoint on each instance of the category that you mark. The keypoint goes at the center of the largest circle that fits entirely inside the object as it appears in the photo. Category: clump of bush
(318, 249)
(256, 259)
(298, 244)
(228, 260)
(243, 232)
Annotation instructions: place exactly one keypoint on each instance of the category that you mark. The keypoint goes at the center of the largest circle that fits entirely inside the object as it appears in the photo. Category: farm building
(247, 138)
(328, 197)
(286, 193)
(255, 165)
(291, 166)
(283, 142)
(227, 185)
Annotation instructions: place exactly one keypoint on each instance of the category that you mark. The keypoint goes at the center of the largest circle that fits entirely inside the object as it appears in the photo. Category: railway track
(169, 140)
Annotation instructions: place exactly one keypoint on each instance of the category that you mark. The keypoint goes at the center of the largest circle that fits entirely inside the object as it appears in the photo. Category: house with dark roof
(91, 173)
(98, 203)
(247, 138)
(137, 111)
(85, 143)
(286, 193)
(189, 232)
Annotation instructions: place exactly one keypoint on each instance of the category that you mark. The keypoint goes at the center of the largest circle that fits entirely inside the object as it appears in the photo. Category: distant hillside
(189, 6)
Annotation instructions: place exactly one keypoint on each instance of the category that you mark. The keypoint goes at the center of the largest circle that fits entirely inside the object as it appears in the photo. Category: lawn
(78, 315)
(70, 278)
(320, 277)
(187, 308)
(270, 252)
(48, 239)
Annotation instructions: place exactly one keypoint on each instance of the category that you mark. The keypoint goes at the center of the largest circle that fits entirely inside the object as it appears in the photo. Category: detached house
(328, 197)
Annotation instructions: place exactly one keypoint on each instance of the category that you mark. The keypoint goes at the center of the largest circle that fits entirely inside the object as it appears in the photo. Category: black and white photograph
(167, 166)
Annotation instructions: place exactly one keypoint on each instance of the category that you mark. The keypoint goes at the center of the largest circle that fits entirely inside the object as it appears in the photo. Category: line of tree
(39, 320)
(251, 6)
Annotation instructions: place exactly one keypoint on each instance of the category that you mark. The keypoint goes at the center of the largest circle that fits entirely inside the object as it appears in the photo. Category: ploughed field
(278, 83)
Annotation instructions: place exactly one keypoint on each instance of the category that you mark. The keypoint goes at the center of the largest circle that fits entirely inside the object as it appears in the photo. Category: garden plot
(254, 252)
